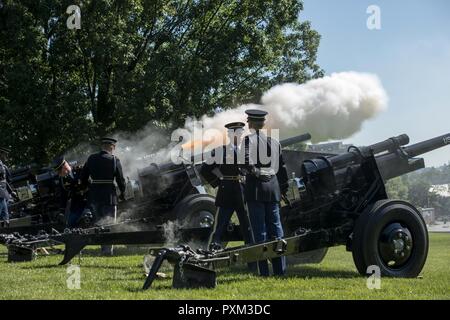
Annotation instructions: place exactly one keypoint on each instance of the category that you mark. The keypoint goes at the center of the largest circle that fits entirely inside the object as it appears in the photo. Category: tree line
(415, 187)
(136, 62)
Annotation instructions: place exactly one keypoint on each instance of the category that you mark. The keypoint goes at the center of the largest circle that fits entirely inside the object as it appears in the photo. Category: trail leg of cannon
(161, 256)
(72, 249)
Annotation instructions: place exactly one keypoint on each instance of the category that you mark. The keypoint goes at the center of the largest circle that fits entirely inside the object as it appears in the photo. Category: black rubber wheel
(358, 232)
(196, 211)
(393, 236)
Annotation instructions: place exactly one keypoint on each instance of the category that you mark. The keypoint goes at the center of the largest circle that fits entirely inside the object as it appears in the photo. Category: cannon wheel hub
(206, 219)
(395, 245)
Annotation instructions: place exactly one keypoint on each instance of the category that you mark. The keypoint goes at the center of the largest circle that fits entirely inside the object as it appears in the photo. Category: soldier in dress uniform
(266, 181)
(225, 174)
(5, 189)
(72, 192)
(99, 173)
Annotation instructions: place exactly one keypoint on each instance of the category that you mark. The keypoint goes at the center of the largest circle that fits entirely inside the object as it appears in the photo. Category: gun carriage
(332, 200)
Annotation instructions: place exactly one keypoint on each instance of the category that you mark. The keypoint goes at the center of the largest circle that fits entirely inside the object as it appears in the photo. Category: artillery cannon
(38, 205)
(177, 191)
(163, 192)
(333, 200)
(341, 201)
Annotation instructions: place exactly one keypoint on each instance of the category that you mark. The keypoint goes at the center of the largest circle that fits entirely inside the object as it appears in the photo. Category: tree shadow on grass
(234, 275)
(297, 272)
(317, 272)
(87, 266)
(118, 251)
(152, 288)
(44, 266)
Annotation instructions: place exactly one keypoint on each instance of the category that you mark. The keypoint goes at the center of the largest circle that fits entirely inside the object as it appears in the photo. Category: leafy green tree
(135, 61)
(419, 193)
(441, 204)
(397, 188)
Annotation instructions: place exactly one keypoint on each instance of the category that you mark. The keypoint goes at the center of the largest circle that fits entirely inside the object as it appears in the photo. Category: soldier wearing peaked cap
(5, 189)
(265, 182)
(72, 192)
(100, 172)
(224, 173)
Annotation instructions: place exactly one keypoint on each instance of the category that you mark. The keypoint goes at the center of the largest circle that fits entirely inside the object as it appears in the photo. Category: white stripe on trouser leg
(216, 218)
(115, 221)
(251, 232)
(249, 223)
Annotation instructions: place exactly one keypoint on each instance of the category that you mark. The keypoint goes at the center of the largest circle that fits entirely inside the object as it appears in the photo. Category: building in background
(330, 147)
(442, 190)
(428, 215)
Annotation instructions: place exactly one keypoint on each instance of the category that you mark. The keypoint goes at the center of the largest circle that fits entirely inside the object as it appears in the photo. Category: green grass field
(121, 277)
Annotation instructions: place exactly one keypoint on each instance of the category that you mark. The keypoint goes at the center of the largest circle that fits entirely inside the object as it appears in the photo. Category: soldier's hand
(257, 172)
(286, 199)
(122, 197)
(284, 188)
(214, 183)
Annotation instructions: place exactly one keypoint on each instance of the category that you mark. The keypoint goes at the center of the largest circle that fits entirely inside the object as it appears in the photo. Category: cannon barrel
(427, 146)
(395, 164)
(393, 159)
(390, 144)
(379, 147)
(293, 140)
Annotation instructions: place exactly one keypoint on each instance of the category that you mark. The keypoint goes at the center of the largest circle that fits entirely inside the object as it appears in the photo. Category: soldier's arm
(119, 177)
(8, 174)
(8, 183)
(85, 173)
(207, 173)
(282, 174)
(63, 196)
(246, 167)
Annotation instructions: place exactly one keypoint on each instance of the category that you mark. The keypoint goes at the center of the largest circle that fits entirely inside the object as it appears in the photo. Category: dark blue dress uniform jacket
(229, 192)
(71, 188)
(103, 168)
(268, 188)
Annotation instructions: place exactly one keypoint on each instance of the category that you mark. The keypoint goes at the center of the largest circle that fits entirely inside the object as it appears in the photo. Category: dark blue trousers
(104, 214)
(4, 214)
(76, 209)
(266, 225)
(223, 218)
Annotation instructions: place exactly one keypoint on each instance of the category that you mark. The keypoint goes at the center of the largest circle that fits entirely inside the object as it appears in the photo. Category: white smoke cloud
(135, 150)
(332, 107)
(139, 149)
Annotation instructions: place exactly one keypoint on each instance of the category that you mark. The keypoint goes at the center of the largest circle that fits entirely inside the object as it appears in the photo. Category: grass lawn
(121, 277)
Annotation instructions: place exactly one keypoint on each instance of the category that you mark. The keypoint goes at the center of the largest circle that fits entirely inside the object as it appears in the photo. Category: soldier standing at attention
(103, 168)
(5, 189)
(265, 182)
(225, 174)
(72, 191)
